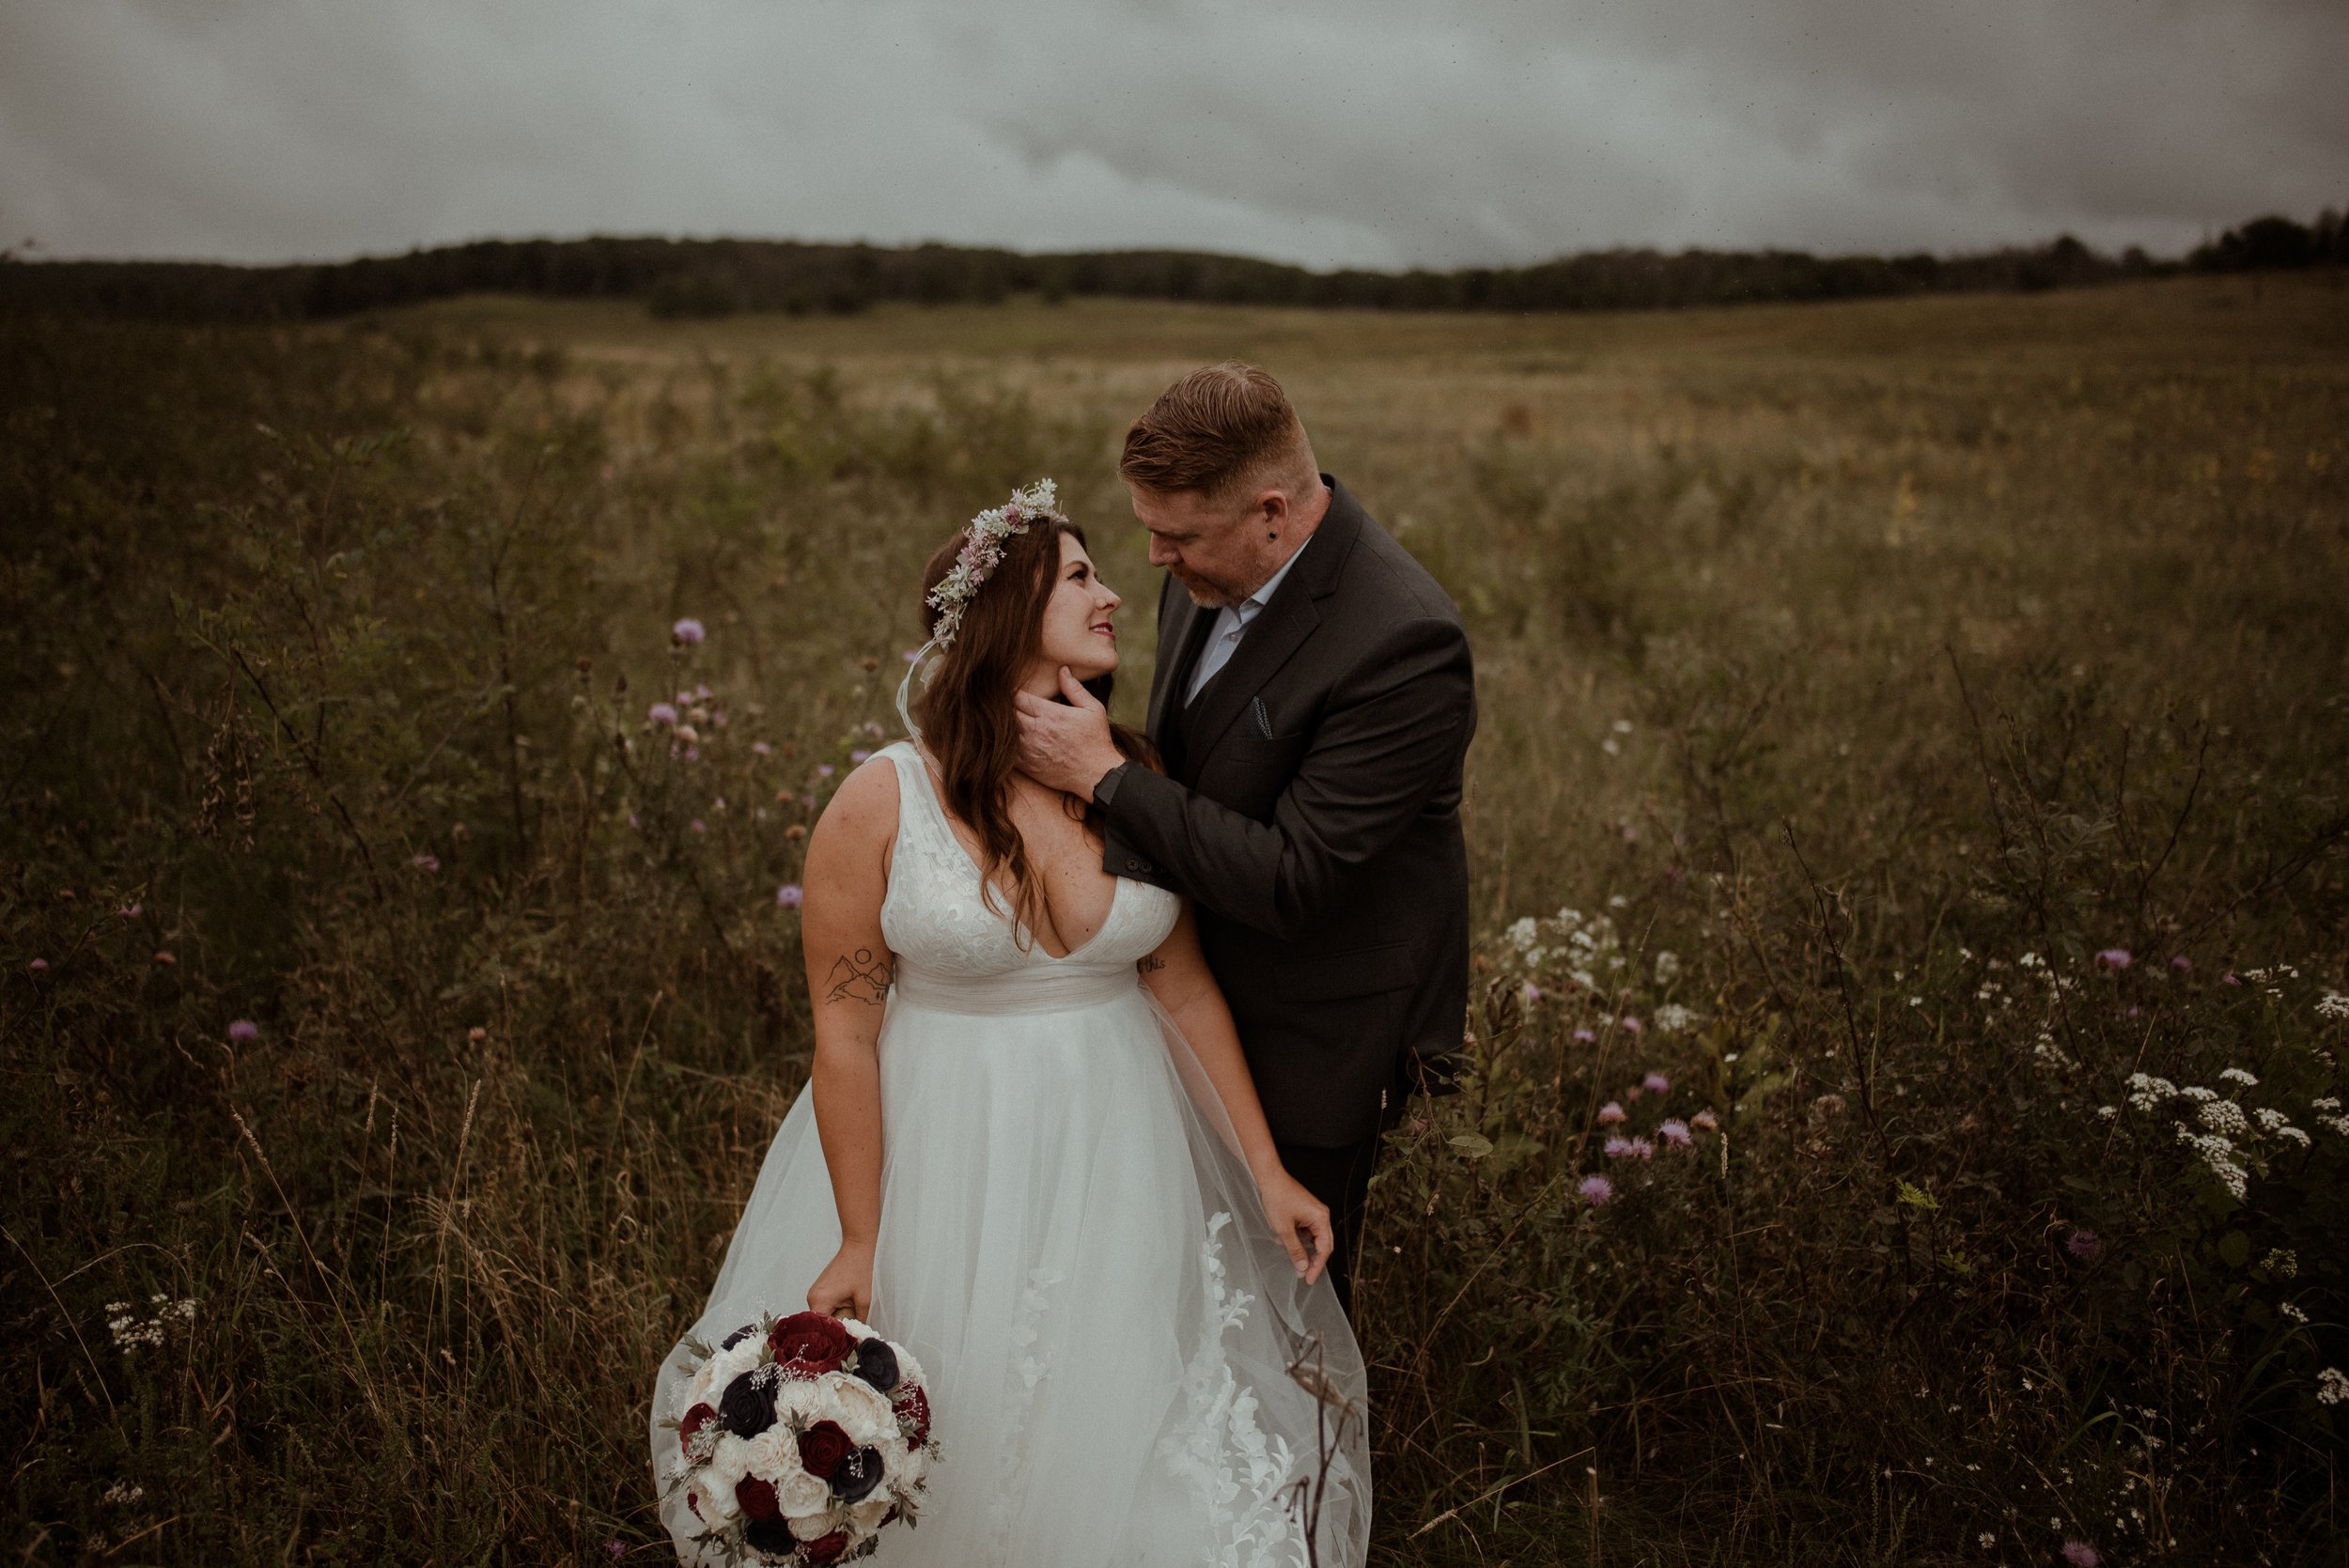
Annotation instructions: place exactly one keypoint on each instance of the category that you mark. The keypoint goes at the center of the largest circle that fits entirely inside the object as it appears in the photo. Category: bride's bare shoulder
(862, 811)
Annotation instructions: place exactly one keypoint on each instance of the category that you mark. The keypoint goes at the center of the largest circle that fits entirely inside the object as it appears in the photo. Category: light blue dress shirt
(1231, 625)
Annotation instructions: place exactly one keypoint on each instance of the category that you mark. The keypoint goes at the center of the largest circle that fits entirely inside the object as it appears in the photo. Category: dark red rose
(825, 1548)
(913, 1415)
(806, 1343)
(757, 1497)
(822, 1447)
(693, 1501)
(695, 1418)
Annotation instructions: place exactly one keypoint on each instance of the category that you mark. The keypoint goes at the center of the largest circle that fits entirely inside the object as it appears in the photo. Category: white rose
(801, 1494)
(771, 1453)
(728, 1465)
(869, 1513)
(909, 1370)
(863, 1411)
(813, 1526)
(717, 1504)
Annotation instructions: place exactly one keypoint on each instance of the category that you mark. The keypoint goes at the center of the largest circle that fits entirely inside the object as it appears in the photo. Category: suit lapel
(1181, 630)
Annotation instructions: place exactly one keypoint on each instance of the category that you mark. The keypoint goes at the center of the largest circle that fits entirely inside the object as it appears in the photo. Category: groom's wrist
(1105, 789)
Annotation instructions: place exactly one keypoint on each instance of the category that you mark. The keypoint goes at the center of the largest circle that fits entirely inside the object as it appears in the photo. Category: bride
(1031, 1151)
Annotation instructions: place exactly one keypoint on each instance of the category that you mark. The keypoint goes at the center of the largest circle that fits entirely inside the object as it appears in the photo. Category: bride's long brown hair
(968, 720)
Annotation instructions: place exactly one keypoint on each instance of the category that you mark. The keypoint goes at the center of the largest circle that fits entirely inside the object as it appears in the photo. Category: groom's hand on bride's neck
(1066, 744)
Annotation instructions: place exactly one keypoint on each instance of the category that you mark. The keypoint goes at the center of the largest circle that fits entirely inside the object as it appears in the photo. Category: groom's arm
(1390, 740)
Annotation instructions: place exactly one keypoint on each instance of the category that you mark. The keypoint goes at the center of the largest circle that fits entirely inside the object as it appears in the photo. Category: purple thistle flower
(692, 754)
(824, 770)
(129, 911)
(244, 1032)
(1584, 1036)
(686, 633)
(614, 1550)
(1529, 993)
(1655, 1083)
(1610, 1113)
(2114, 958)
(1705, 1120)
(2084, 1245)
(2182, 963)
(760, 749)
(425, 862)
(1674, 1131)
(2079, 1554)
(661, 713)
(1631, 1025)
(1615, 1148)
(859, 755)
(1641, 1149)
(39, 966)
(701, 694)
(698, 826)
(1597, 1191)
(2230, 978)
(789, 896)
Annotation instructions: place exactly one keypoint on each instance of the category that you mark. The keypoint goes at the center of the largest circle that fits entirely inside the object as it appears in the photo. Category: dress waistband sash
(1042, 989)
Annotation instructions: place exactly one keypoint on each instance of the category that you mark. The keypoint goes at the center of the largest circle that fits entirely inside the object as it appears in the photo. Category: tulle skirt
(1080, 1263)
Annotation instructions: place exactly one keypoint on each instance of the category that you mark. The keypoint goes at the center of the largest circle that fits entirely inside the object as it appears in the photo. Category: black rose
(771, 1535)
(856, 1474)
(877, 1364)
(748, 1406)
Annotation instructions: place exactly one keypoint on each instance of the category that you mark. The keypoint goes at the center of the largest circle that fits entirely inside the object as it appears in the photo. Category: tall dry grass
(1846, 656)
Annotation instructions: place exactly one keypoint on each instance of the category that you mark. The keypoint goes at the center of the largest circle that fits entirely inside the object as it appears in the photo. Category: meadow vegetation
(1909, 822)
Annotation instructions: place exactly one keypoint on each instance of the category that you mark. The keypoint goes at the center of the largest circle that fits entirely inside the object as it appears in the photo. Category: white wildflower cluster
(122, 1494)
(1673, 1018)
(2332, 1387)
(2231, 1140)
(1586, 947)
(2329, 1114)
(134, 1331)
(2332, 1004)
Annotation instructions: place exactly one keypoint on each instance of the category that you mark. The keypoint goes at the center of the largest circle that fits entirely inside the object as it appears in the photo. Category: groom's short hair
(1214, 431)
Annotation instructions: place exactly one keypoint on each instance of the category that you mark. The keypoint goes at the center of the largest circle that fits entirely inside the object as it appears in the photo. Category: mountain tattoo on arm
(859, 976)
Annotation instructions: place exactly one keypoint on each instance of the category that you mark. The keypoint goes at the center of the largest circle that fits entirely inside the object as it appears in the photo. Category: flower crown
(983, 551)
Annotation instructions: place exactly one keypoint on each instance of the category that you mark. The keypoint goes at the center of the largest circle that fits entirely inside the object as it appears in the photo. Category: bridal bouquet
(801, 1438)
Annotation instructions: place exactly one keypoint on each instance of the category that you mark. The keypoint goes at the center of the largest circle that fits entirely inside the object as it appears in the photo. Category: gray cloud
(1329, 132)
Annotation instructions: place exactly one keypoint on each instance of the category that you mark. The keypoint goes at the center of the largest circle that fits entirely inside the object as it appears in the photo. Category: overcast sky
(1374, 132)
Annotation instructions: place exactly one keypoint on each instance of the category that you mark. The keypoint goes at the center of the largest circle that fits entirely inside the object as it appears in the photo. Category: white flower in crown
(983, 551)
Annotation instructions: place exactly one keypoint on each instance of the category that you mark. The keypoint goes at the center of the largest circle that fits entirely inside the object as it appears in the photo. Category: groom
(1312, 702)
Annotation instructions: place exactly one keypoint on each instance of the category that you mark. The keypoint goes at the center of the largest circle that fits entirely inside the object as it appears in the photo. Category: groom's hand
(1065, 746)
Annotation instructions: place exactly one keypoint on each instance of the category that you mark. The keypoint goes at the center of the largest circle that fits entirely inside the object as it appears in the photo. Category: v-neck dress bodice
(956, 948)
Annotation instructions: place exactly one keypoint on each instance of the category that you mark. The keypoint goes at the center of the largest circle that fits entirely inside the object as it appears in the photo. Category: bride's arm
(1178, 976)
(848, 968)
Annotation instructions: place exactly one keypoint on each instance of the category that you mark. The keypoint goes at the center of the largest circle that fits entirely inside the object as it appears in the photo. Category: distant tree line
(718, 277)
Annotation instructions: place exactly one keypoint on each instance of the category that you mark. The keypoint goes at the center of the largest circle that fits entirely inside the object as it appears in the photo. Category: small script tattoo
(1151, 965)
(859, 976)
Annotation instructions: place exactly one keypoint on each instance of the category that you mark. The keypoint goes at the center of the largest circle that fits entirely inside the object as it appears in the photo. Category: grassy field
(1916, 731)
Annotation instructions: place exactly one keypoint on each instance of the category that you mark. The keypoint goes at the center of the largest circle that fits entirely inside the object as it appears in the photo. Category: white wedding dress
(1070, 1246)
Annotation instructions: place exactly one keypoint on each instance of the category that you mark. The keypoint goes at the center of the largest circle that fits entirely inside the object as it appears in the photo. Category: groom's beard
(1205, 595)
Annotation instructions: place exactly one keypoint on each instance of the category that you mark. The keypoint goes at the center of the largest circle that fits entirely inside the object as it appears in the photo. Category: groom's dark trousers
(1310, 809)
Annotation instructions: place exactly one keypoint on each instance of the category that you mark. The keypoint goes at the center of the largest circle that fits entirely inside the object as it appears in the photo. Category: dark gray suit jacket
(1312, 810)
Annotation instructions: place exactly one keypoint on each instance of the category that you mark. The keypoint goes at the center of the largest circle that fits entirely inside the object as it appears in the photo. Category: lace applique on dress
(1244, 1480)
(1029, 1369)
